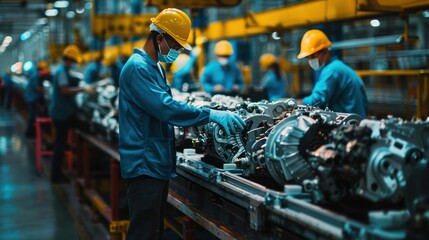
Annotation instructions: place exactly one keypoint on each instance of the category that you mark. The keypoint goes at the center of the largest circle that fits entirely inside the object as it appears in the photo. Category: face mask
(223, 61)
(171, 55)
(314, 64)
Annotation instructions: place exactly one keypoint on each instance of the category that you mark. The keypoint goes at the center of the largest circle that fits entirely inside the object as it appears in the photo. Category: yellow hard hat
(266, 60)
(109, 59)
(180, 62)
(73, 52)
(223, 48)
(43, 65)
(313, 41)
(175, 23)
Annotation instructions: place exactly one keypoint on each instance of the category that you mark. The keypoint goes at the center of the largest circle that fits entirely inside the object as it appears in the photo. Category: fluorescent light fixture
(25, 35)
(426, 14)
(375, 23)
(51, 12)
(61, 4)
(70, 14)
(275, 35)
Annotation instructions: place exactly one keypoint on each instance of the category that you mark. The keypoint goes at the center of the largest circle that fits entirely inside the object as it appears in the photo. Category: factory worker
(92, 72)
(222, 75)
(63, 106)
(182, 70)
(339, 87)
(273, 80)
(33, 93)
(147, 113)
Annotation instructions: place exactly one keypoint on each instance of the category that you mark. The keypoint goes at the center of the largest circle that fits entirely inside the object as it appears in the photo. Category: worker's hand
(196, 51)
(218, 88)
(89, 89)
(228, 120)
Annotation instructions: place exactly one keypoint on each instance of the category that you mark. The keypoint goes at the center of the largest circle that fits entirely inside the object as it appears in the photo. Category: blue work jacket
(214, 74)
(62, 107)
(147, 113)
(31, 94)
(340, 89)
(183, 75)
(92, 72)
(276, 88)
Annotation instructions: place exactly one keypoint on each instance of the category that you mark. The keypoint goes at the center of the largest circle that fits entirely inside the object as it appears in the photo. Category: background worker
(32, 94)
(63, 106)
(182, 70)
(92, 72)
(147, 113)
(273, 80)
(339, 87)
(222, 75)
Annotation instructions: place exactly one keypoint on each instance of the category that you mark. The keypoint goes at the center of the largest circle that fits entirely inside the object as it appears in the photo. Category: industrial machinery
(295, 171)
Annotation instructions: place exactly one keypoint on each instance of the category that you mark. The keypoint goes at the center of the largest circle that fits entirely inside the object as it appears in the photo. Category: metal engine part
(284, 161)
(373, 160)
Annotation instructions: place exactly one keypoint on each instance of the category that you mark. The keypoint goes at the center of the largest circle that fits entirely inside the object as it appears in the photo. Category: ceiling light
(275, 35)
(7, 39)
(80, 10)
(70, 14)
(426, 14)
(375, 23)
(25, 35)
(27, 66)
(51, 12)
(61, 4)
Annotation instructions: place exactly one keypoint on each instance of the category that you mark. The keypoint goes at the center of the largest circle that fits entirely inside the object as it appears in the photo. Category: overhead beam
(294, 16)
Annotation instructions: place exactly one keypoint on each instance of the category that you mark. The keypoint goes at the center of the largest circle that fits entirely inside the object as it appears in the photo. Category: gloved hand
(89, 89)
(228, 120)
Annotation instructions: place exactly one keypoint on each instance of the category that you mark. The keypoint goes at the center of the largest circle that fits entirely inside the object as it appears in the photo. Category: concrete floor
(30, 206)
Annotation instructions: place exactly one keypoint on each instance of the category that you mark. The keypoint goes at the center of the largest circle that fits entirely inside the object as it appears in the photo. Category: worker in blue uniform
(222, 75)
(7, 89)
(272, 81)
(182, 70)
(92, 72)
(339, 87)
(62, 106)
(147, 113)
(32, 94)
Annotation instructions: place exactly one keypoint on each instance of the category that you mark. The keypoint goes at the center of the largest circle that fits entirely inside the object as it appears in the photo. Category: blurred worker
(339, 87)
(182, 70)
(63, 106)
(222, 75)
(92, 72)
(273, 80)
(44, 75)
(147, 113)
(7, 89)
(32, 94)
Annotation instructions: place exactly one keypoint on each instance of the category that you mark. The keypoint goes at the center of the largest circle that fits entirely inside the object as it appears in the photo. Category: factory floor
(30, 206)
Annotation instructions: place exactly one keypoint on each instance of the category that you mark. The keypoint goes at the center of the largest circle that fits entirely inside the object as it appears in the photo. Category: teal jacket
(62, 107)
(215, 74)
(147, 113)
(276, 88)
(340, 89)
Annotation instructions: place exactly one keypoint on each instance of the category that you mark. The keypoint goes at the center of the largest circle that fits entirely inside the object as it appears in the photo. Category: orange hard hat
(73, 52)
(175, 23)
(223, 48)
(266, 60)
(313, 41)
